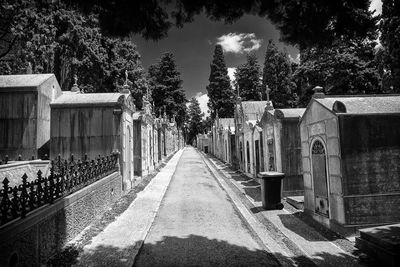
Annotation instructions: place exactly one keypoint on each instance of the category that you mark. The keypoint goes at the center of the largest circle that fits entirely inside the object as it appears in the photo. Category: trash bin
(271, 190)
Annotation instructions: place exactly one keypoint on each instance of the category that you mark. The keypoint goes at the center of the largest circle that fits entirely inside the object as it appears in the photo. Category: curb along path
(270, 244)
(121, 241)
(289, 235)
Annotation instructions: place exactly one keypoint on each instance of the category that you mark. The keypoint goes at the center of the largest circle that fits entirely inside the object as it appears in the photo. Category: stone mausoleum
(146, 139)
(351, 155)
(25, 114)
(94, 124)
(281, 139)
(247, 113)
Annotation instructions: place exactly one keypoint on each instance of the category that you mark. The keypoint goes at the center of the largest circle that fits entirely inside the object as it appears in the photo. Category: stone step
(296, 201)
(382, 243)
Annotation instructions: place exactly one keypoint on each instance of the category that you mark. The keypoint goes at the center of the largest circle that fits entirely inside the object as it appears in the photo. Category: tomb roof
(289, 112)
(226, 122)
(77, 99)
(253, 108)
(23, 82)
(363, 104)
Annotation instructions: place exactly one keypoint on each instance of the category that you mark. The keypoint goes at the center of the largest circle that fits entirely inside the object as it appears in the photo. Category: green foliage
(54, 39)
(389, 56)
(195, 121)
(277, 74)
(166, 88)
(247, 79)
(220, 93)
(348, 67)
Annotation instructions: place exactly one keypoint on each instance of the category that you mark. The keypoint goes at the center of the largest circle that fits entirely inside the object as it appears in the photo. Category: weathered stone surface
(362, 150)
(38, 236)
(25, 114)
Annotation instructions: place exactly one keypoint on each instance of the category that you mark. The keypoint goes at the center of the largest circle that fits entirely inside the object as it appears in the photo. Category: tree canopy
(304, 23)
(348, 67)
(166, 88)
(220, 93)
(55, 39)
(247, 79)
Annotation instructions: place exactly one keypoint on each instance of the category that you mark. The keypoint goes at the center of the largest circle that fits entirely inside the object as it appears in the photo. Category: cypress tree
(247, 78)
(220, 93)
(277, 74)
(194, 119)
(390, 39)
(166, 88)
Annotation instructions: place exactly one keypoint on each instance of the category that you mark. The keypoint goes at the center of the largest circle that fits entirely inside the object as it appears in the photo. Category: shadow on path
(200, 251)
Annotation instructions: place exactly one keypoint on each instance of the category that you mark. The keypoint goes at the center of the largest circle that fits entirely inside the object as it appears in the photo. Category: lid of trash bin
(271, 175)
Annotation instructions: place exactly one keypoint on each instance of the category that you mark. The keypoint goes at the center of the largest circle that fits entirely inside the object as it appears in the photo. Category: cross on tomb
(267, 90)
(75, 87)
(126, 77)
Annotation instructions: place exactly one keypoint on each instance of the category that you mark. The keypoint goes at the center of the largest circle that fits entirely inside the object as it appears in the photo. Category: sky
(193, 47)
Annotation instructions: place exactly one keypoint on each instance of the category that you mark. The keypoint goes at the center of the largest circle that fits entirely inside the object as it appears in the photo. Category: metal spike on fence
(64, 177)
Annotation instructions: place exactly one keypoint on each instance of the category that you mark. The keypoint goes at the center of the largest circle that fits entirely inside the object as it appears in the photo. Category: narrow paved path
(197, 224)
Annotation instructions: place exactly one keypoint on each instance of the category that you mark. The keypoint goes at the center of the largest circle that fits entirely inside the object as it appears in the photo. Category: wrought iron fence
(66, 177)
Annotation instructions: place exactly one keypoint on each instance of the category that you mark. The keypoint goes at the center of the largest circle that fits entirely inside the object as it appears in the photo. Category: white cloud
(376, 5)
(239, 42)
(203, 100)
(231, 74)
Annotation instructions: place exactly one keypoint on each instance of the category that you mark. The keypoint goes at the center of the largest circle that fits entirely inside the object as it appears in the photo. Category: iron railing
(66, 177)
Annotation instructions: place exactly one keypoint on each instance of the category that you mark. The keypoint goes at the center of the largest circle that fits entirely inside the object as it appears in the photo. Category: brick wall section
(36, 238)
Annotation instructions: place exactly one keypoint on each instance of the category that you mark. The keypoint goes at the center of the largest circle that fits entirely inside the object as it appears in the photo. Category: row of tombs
(342, 153)
(38, 120)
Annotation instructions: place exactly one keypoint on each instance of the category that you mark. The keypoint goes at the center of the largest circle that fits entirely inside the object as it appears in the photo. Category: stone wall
(370, 147)
(18, 117)
(34, 239)
(16, 169)
(84, 130)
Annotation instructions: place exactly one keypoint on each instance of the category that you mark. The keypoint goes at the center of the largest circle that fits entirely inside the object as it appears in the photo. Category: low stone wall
(32, 240)
(15, 169)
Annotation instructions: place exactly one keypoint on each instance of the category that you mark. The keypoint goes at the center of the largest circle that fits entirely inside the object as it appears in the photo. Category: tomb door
(233, 150)
(248, 156)
(320, 179)
(128, 154)
(257, 148)
(226, 151)
(271, 155)
(241, 153)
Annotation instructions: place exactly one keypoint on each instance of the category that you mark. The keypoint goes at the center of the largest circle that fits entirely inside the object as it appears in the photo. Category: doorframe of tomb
(313, 140)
